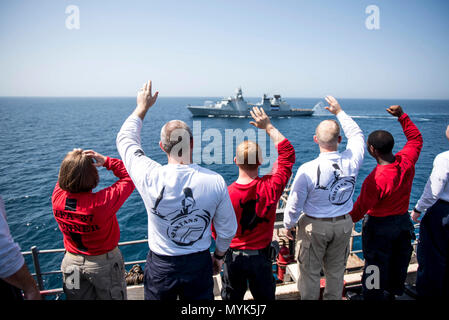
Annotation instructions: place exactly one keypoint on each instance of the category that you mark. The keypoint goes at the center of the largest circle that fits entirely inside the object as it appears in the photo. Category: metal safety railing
(38, 274)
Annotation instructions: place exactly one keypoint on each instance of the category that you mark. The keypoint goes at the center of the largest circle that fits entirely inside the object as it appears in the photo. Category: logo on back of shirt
(249, 219)
(340, 187)
(187, 223)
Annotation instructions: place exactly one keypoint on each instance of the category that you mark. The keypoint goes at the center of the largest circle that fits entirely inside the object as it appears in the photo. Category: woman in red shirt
(93, 267)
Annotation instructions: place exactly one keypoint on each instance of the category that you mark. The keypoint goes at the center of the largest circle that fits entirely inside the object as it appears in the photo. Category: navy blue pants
(432, 279)
(8, 292)
(187, 277)
(387, 245)
(240, 271)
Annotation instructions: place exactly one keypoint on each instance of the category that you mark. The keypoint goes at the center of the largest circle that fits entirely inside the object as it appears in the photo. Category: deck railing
(38, 274)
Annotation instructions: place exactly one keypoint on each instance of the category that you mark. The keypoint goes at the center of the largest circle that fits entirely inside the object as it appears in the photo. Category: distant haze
(208, 48)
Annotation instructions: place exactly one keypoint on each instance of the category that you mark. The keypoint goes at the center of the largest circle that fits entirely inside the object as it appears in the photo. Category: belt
(246, 252)
(333, 219)
(249, 252)
(104, 256)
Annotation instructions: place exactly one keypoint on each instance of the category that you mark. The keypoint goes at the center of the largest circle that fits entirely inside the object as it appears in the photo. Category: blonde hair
(248, 155)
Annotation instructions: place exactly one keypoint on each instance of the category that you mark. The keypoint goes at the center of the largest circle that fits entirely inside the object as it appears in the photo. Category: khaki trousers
(99, 277)
(322, 245)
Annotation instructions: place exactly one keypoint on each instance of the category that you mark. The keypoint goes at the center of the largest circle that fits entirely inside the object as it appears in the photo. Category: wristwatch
(216, 256)
(416, 210)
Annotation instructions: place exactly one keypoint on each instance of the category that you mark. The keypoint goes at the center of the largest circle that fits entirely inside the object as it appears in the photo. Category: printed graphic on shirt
(139, 153)
(187, 223)
(70, 205)
(340, 187)
(249, 219)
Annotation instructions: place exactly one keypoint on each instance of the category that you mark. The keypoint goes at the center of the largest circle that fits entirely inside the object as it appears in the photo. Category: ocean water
(36, 133)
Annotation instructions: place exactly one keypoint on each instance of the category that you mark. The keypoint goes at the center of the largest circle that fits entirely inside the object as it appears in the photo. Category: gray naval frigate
(238, 107)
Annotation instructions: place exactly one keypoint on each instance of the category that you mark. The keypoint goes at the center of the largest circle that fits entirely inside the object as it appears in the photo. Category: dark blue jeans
(188, 277)
(387, 245)
(432, 279)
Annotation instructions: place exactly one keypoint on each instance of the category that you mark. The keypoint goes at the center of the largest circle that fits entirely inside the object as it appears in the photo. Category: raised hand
(145, 99)
(262, 121)
(260, 117)
(99, 159)
(395, 111)
(334, 107)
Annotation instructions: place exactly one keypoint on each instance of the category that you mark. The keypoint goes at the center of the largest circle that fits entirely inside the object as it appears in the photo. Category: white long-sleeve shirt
(324, 187)
(437, 186)
(181, 200)
(11, 259)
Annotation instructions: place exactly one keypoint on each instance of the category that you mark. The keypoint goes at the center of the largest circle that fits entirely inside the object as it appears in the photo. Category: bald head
(248, 155)
(173, 133)
(328, 133)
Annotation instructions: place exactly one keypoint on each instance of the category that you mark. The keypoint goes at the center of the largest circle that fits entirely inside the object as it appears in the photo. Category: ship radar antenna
(238, 92)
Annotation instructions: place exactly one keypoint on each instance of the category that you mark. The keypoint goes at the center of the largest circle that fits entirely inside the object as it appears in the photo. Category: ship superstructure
(237, 106)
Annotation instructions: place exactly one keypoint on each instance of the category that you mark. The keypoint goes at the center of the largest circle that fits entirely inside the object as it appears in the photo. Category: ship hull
(215, 112)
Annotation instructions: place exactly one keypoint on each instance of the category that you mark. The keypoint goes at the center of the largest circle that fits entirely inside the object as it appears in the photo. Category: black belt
(249, 252)
(333, 219)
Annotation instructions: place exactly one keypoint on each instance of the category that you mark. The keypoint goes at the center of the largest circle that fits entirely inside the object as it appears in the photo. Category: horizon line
(285, 97)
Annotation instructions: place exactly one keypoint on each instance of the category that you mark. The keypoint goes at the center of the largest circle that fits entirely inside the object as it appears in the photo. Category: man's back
(181, 199)
(331, 179)
(323, 190)
(324, 186)
(181, 202)
(386, 190)
(394, 182)
(255, 203)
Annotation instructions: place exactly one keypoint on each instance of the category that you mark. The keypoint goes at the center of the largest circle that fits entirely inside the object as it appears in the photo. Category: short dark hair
(77, 173)
(382, 141)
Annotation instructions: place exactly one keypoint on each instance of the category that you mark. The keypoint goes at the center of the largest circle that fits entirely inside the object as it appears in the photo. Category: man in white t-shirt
(322, 190)
(182, 200)
(432, 279)
(14, 274)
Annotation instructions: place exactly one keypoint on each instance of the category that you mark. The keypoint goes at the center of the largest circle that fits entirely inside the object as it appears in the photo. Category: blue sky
(208, 48)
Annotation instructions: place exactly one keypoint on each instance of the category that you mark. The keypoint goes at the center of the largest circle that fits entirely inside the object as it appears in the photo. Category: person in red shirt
(89, 226)
(384, 198)
(254, 200)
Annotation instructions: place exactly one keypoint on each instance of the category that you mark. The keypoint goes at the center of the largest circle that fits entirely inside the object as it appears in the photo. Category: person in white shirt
(432, 279)
(14, 274)
(323, 190)
(182, 199)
